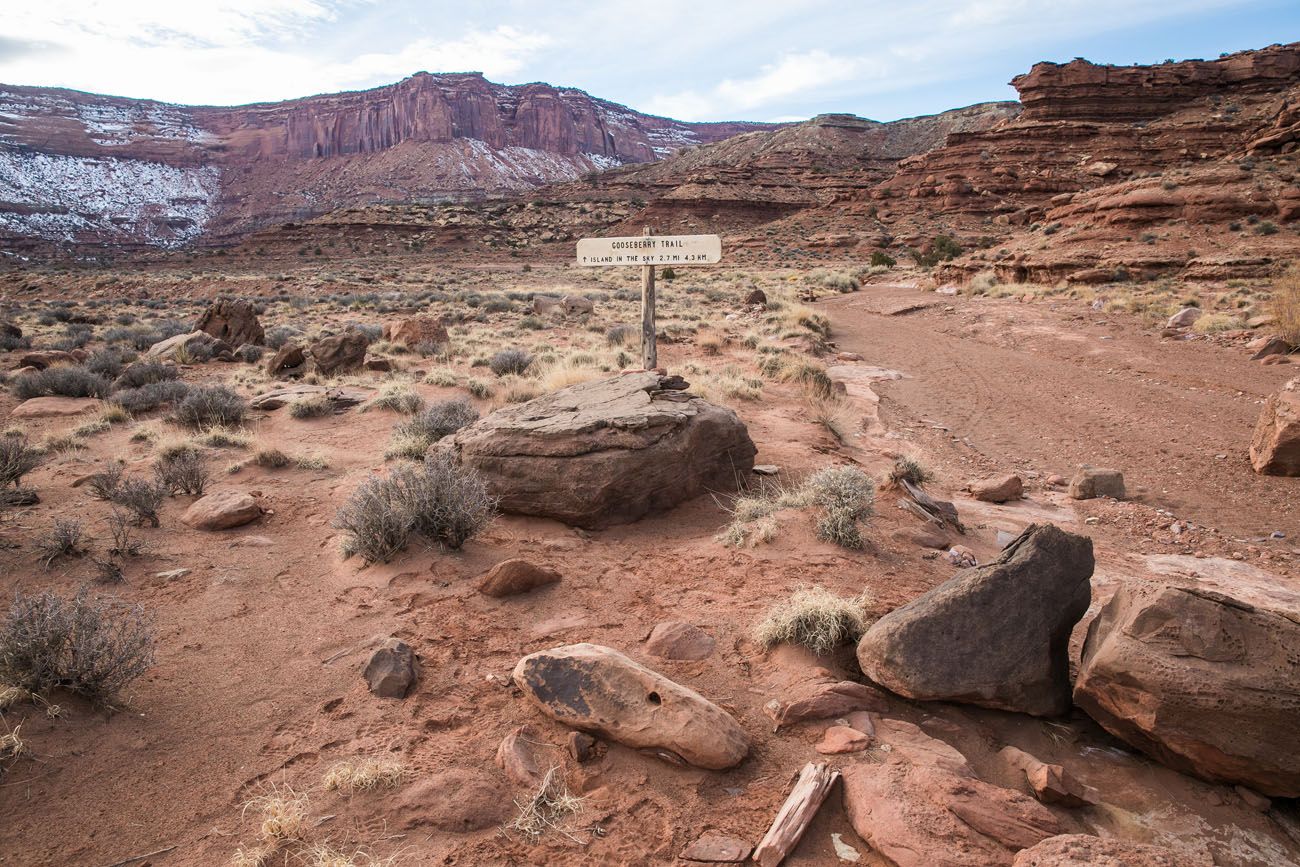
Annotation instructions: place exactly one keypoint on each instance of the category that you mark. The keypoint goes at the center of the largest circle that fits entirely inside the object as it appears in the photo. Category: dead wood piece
(796, 814)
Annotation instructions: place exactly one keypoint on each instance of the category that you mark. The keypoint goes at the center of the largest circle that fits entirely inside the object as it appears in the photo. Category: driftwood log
(796, 814)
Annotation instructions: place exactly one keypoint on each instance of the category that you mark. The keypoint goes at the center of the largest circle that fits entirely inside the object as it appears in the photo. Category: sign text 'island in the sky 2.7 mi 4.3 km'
(651, 250)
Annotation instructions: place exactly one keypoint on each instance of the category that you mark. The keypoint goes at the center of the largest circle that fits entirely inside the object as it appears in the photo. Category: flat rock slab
(995, 635)
(1205, 682)
(606, 452)
(716, 849)
(918, 816)
(54, 407)
(597, 689)
(674, 639)
(221, 510)
(340, 397)
(1085, 850)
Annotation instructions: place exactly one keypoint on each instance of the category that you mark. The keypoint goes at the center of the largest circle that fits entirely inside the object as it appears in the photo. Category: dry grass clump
(809, 374)
(440, 500)
(1285, 306)
(12, 746)
(1214, 322)
(910, 469)
(515, 389)
(223, 438)
(362, 775)
(395, 396)
(814, 618)
(444, 417)
(283, 812)
(566, 372)
(751, 521)
(325, 855)
(833, 413)
(312, 406)
(547, 808)
(87, 645)
(269, 457)
(847, 495)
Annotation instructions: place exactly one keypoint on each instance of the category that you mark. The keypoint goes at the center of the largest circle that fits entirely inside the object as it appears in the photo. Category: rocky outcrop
(1275, 448)
(920, 805)
(1092, 482)
(1083, 91)
(339, 353)
(995, 635)
(1205, 683)
(1085, 850)
(599, 690)
(606, 452)
(417, 330)
(234, 322)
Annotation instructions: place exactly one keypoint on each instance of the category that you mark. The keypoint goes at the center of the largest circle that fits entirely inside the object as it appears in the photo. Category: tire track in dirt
(1057, 395)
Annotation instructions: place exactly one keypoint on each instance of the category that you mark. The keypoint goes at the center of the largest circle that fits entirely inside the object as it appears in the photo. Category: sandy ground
(262, 641)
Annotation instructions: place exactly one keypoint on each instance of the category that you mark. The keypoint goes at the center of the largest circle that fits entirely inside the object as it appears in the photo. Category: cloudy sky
(753, 60)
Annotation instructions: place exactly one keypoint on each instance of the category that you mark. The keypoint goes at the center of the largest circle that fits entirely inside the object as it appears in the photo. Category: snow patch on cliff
(107, 123)
(104, 199)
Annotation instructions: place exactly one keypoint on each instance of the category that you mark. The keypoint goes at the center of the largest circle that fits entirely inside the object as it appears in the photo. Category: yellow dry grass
(359, 775)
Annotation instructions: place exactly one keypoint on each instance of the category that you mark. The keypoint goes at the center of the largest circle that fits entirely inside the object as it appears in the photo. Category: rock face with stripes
(606, 452)
(1275, 449)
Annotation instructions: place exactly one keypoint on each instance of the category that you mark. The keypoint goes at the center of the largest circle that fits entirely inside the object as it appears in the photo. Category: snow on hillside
(107, 123)
(104, 199)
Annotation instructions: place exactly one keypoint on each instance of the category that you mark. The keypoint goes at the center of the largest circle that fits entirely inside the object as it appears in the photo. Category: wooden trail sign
(649, 251)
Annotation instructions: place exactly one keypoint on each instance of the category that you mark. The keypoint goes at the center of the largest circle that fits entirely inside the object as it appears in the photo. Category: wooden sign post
(649, 251)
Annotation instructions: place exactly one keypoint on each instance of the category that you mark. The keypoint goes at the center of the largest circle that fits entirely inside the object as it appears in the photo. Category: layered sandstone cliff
(82, 168)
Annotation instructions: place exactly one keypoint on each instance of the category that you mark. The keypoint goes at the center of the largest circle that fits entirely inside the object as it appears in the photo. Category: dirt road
(1001, 385)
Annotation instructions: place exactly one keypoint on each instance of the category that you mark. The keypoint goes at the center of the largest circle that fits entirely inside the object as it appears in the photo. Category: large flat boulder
(417, 330)
(339, 353)
(597, 689)
(54, 407)
(1205, 683)
(342, 397)
(221, 510)
(995, 635)
(606, 452)
(1275, 448)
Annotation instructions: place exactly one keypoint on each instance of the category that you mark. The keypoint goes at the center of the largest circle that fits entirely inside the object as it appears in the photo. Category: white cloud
(499, 53)
(792, 75)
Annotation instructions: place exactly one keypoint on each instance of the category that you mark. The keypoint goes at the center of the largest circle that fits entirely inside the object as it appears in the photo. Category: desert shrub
(106, 363)
(279, 335)
(880, 259)
(124, 543)
(398, 397)
(507, 361)
(438, 500)
(210, 406)
(846, 495)
(150, 396)
(64, 540)
(87, 645)
(620, 335)
(1266, 228)
(66, 380)
(143, 498)
(941, 248)
(250, 353)
(814, 618)
(271, 458)
(183, 471)
(836, 280)
(413, 438)
(103, 484)
(144, 373)
(1285, 306)
(17, 459)
(311, 406)
(910, 469)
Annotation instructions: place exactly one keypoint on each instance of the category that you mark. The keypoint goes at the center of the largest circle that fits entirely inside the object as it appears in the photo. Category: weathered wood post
(649, 251)
(649, 354)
